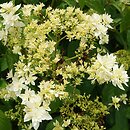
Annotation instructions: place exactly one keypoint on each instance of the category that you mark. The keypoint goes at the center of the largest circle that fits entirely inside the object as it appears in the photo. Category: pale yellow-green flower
(57, 126)
(124, 98)
(115, 102)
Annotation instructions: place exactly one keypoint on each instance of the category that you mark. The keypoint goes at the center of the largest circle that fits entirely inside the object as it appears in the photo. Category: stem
(50, 37)
(52, 3)
(67, 2)
(58, 40)
(74, 57)
(61, 39)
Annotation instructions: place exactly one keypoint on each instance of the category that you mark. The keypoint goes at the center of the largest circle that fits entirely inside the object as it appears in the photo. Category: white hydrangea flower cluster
(77, 25)
(28, 8)
(10, 18)
(36, 104)
(106, 69)
(36, 108)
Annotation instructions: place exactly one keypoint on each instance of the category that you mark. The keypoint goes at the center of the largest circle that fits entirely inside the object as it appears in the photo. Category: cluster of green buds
(84, 113)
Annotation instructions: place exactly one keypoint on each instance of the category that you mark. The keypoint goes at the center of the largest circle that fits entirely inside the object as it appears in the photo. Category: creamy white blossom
(27, 9)
(17, 85)
(17, 50)
(107, 20)
(38, 8)
(10, 74)
(101, 68)
(2, 34)
(11, 20)
(119, 76)
(106, 69)
(36, 115)
(35, 108)
(9, 8)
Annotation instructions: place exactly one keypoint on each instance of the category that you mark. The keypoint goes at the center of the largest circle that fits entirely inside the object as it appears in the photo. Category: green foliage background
(119, 39)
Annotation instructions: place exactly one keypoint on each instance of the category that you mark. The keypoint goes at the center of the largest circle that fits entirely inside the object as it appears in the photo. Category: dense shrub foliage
(64, 65)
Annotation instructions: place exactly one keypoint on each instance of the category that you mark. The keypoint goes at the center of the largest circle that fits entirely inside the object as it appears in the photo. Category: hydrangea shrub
(58, 49)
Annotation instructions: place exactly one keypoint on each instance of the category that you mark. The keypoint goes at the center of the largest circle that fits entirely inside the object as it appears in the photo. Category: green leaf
(72, 48)
(70, 2)
(17, 2)
(3, 1)
(62, 5)
(97, 5)
(31, 1)
(128, 38)
(7, 60)
(108, 91)
(3, 83)
(86, 87)
(128, 112)
(120, 39)
(55, 105)
(110, 118)
(125, 24)
(81, 3)
(121, 122)
(117, 21)
(118, 5)
(72, 89)
(4, 122)
(2, 49)
(11, 59)
(3, 64)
